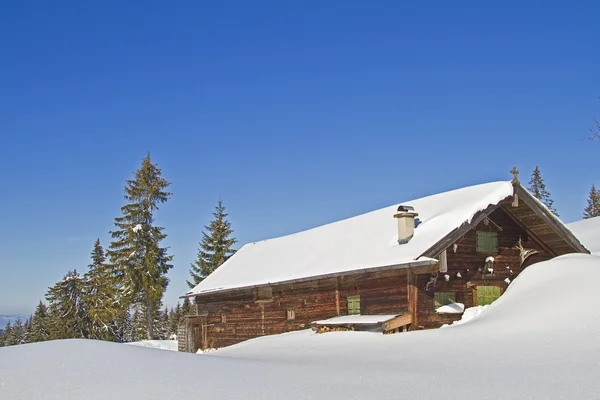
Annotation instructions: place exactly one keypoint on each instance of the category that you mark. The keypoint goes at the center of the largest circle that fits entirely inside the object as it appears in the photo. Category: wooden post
(262, 318)
(413, 294)
(337, 295)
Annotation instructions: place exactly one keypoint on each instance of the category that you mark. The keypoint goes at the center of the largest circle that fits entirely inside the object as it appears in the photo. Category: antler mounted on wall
(525, 253)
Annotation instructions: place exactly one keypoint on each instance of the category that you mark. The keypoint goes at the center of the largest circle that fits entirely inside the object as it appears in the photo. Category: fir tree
(7, 335)
(188, 308)
(138, 261)
(537, 187)
(215, 247)
(68, 313)
(99, 297)
(14, 333)
(593, 208)
(39, 329)
(174, 318)
(163, 324)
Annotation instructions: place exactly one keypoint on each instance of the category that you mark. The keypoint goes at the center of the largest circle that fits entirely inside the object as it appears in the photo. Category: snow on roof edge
(423, 262)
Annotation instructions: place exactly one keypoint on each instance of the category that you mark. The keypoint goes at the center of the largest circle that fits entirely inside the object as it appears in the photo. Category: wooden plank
(543, 213)
(398, 322)
(337, 296)
(413, 298)
(531, 234)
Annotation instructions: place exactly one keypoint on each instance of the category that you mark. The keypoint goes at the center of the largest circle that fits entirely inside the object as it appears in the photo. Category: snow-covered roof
(588, 233)
(362, 242)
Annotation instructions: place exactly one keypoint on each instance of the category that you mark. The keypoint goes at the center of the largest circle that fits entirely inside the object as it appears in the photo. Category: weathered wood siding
(240, 316)
(468, 262)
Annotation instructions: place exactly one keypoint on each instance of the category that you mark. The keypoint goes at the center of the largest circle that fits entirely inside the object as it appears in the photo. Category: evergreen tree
(14, 333)
(188, 308)
(593, 208)
(138, 322)
(100, 297)
(215, 247)
(39, 329)
(68, 312)
(537, 187)
(124, 330)
(174, 318)
(6, 337)
(138, 261)
(163, 324)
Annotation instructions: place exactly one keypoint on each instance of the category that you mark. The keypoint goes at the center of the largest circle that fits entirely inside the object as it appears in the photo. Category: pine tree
(537, 187)
(39, 329)
(124, 329)
(174, 318)
(593, 208)
(215, 247)
(163, 324)
(68, 312)
(100, 297)
(138, 261)
(15, 333)
(6, 338)
(138, 323)
(188, 308)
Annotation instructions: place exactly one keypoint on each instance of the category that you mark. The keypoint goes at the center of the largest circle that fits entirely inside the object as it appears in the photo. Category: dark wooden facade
(232, 317)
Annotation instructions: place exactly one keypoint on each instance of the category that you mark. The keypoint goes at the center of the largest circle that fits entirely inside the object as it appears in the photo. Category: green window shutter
(487, 294)
(443, 298)
(353, 305)
(487, 241)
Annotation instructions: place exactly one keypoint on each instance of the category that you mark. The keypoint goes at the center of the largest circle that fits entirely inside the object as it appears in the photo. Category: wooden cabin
(414, 265)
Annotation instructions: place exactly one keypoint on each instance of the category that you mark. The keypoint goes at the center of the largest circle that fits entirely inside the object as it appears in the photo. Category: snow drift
(588, 232)
(541, 340)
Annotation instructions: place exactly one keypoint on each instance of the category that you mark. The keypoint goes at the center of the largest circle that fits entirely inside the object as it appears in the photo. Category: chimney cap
(405, 208)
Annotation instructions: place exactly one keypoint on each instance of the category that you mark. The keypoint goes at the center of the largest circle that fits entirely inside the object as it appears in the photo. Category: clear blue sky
(295, 113)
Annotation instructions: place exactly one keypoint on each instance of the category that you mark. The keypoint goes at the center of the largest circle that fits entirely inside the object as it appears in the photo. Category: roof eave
(411, 264)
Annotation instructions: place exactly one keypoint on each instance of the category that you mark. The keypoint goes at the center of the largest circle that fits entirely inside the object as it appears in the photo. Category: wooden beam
(531, 234)
(397, 322)
(559, 228)
(337, 296)
(412, 292)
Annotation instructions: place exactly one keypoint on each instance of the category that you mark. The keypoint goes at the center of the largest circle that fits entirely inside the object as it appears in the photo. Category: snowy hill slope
(588, 232)
(541, 340)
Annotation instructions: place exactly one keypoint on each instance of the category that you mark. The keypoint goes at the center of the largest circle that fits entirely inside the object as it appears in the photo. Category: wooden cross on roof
(515, 173)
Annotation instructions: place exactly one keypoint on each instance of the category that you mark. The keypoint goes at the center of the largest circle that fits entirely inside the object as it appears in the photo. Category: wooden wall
(238, 317)
(468, 262)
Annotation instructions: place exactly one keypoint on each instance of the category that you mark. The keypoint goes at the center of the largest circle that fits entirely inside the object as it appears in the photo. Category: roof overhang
(417, 266)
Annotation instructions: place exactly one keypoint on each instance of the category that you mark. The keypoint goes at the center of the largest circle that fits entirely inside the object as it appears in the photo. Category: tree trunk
(149, 320)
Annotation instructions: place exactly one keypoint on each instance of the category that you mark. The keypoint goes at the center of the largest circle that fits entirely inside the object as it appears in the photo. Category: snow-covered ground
(588, 232)
(541, 340)
(157, 344)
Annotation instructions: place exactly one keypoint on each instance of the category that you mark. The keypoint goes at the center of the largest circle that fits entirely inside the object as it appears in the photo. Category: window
(487, 294)
(264, 293)
(487, 242)
(353, 305)
(291, 314)
(443, 299)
